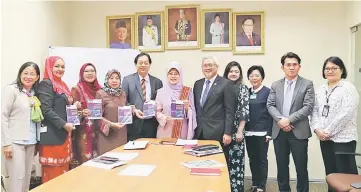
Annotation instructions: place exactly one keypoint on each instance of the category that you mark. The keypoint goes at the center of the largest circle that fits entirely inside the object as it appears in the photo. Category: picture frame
(244, 24)
(182, 27)
(216, 30)
(149, 35)
(120, 31)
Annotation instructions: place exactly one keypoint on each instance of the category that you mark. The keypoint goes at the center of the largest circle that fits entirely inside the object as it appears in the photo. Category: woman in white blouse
(334, 118)
(217, 30)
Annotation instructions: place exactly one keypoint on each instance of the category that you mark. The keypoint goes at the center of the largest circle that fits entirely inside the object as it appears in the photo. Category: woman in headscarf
(111, 134)
(175, 90)
(55, 139)
(84, 140)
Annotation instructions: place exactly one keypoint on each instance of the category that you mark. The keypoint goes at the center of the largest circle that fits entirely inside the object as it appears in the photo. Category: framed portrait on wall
(248, 30)
(149, 36)
(216, 30)
(182, 27)
(120, 31)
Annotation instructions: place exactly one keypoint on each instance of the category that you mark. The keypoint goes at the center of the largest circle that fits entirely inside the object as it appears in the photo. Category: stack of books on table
(204, 150)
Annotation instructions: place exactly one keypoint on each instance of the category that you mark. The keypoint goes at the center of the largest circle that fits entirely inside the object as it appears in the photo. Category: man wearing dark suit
(247, 37)
(290, 102)
(215, 104)
(141, 87)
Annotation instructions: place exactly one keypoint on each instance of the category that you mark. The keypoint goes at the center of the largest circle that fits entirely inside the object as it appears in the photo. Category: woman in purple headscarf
(174, 90)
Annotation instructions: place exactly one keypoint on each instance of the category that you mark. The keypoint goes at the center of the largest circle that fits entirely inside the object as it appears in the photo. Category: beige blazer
(15, 115)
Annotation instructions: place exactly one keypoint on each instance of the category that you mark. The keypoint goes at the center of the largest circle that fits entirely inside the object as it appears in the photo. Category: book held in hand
(125, 115)
(72, 115)
(149, 109)
(177, 109)
(95, 107)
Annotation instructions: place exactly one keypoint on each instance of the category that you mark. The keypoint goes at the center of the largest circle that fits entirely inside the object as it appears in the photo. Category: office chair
(341, 182)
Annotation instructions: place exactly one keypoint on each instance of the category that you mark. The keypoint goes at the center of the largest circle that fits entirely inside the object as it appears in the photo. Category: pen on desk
(133, 142)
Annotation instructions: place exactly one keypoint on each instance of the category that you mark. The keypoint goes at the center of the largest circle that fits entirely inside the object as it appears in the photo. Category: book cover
(149, 109)
(206, 171)
(177, 109)
(95, 106)
(125, 115)
(72, 115)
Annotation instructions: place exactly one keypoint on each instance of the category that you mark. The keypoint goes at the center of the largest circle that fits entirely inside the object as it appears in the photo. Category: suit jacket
(216, 117)
(15, 115)
(131, 86)
(53, 107)
(303, 100)
(243, 40)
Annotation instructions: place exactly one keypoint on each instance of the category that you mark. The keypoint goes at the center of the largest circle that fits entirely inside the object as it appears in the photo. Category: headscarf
(89, 89)
(173, 92)
(59, 86)
(112, 91)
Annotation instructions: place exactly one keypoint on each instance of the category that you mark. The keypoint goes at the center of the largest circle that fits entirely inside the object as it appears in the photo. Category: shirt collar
(339, 84)
(258, 89)
(294, 80)
(146, 78)
(26, 92)
(211, 80)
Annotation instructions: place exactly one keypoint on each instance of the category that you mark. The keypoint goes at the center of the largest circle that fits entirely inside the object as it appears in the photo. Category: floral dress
(237, 150)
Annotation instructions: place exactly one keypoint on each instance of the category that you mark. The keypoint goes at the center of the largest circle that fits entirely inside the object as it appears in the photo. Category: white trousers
(19, 167)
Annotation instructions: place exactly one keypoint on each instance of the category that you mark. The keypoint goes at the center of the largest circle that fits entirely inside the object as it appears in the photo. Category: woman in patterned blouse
(334, 118)
(235, 159)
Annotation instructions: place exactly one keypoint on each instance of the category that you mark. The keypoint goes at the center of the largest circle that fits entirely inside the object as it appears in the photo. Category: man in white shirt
(290, 102)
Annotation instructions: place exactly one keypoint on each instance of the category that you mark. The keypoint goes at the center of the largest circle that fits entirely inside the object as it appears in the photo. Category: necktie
(287, 100)
(205, 93)
(144, 90)
(251, 40)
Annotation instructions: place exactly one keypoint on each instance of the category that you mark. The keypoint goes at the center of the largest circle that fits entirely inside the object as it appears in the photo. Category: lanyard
(330, 94)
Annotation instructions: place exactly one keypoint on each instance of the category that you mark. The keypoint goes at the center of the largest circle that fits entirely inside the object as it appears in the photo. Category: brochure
(177, 109)
(95, 106)
(72, 115)
(125, 115)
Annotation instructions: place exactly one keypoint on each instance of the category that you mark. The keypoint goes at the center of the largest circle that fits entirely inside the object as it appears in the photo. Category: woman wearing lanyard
(334, 118)
(258, 129)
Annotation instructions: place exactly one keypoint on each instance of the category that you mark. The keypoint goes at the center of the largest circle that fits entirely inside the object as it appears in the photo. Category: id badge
(325, 110)
(43, 129)
(253, 96)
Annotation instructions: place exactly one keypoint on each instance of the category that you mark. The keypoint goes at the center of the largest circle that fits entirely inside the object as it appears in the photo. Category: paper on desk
(181, 142)
(137, 170)
(202, 164)
(121, 155)
(136, 145)
(92, 163)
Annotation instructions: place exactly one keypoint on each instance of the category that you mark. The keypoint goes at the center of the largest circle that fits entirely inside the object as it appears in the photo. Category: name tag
(253, 96)
(325, 110)
(43, 129)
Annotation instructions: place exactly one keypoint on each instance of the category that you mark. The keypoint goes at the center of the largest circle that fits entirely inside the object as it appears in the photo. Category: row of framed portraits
(182, 27)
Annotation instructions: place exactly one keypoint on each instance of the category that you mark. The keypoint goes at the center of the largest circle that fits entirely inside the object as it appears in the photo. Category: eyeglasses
(90, 71)
(209, 65)
(173, 74)
(331, 69)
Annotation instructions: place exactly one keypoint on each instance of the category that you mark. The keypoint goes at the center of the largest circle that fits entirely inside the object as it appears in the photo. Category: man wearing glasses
(247, 37)
(215, 104)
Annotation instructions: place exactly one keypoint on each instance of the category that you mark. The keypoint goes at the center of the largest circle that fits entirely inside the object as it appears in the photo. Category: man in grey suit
(215, 104)
(141, 87)
(290, 102)
(248, 37)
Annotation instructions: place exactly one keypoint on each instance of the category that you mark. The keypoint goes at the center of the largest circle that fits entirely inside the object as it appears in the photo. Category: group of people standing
(216, 108)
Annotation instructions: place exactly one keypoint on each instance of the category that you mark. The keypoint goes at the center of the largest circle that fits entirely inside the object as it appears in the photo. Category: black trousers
(257, 149)
(284, 144)
(338, 163)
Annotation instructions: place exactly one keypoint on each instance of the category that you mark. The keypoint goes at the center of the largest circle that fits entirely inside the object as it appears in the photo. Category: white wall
(28, 28)
(314, 30)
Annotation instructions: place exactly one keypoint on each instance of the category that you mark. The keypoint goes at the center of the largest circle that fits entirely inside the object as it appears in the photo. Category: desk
(168, 176)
